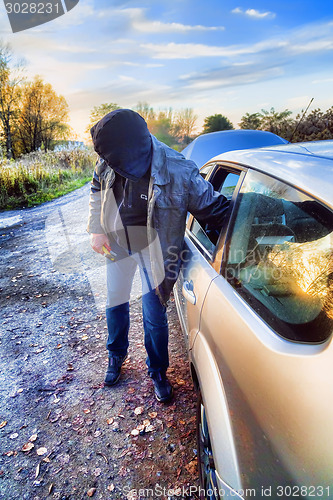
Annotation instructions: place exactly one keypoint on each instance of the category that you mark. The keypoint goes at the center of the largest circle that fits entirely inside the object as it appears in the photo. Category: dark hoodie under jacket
(123, 141)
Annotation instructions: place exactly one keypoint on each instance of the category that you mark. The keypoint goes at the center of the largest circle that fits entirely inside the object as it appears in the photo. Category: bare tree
(185, 124)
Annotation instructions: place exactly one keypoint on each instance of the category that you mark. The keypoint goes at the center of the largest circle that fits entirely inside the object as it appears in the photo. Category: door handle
(188, 293)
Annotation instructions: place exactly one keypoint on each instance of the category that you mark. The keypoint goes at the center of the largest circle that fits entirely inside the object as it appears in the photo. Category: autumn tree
(10, 80)
(162, 127)
(184, 125)
(169, 127)
(217, 122)
(98, 112)
(43, 118)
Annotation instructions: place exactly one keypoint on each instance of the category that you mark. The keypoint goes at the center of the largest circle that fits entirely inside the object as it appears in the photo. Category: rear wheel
(207, 472)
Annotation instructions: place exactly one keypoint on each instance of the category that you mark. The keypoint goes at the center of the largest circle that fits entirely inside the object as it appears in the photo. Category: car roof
(207, 145)
(307, 166)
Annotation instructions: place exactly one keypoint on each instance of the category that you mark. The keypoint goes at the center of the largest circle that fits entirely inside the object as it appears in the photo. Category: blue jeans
(155, 323)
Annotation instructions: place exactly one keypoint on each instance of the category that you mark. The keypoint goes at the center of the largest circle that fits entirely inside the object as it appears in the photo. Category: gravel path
(63, 435)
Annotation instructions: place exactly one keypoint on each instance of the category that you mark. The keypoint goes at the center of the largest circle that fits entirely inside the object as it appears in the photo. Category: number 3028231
(32, 8)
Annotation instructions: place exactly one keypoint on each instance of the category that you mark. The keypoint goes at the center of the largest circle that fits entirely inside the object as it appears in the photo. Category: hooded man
(140, 195)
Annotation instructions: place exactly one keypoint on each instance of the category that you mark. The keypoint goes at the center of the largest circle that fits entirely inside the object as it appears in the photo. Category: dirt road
(63, 435)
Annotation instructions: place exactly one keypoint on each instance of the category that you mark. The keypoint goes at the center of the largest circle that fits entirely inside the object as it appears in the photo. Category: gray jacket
(176, 187)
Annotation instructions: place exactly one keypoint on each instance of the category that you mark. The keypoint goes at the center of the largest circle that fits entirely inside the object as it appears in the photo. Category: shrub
(41, 176)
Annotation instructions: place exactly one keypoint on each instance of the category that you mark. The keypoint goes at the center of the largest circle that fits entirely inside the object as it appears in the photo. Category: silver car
(255, 300)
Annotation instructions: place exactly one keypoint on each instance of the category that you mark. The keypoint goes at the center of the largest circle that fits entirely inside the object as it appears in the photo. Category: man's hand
(97, 241)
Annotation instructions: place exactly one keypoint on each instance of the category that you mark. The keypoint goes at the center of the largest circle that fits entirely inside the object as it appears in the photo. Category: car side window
(225, 183)
(279, 258)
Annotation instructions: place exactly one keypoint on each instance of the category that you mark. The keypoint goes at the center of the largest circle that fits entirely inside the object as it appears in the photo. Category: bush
(41, 176)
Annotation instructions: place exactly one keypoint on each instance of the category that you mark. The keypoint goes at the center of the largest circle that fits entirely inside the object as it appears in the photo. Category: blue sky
(215, 56)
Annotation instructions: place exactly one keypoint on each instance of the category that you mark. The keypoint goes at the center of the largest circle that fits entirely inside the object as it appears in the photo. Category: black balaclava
(123, 140)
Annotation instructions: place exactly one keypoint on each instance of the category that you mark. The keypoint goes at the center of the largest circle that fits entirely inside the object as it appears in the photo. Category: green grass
(41, 177)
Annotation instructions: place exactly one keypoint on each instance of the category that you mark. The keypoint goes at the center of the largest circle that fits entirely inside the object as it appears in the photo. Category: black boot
(163, 388)
(114, 369)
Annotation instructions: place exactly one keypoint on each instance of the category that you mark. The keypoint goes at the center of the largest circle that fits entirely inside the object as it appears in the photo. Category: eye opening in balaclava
(123, 140)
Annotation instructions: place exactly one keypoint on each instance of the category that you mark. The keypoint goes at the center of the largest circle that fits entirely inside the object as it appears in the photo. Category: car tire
(207, 474)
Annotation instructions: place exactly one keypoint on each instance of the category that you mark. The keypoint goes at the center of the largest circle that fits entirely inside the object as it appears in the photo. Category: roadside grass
(43, 176)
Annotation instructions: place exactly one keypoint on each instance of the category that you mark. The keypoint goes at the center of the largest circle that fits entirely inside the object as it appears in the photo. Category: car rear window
(280, 258)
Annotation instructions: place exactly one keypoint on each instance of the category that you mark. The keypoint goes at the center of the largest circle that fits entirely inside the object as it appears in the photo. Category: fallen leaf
(91, 492)
(146, 422)
(3, 423)
(97, 472)
(50, 488)
(192, 466)
(152, 414)
(41, 451)
(33, 437)
(59, 346)
(110, 487)
(110, 421)
(14, 435)
(27, 447)
(139, 410)
(86, 410)
(10, 453)
(135, 432)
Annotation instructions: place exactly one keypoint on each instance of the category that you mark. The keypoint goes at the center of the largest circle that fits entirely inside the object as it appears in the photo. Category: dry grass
(39, 177)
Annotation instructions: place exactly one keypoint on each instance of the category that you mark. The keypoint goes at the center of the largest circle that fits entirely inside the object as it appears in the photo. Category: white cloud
(307, 40)
(139, 22)
(142, 24)
(140, 65)
(231, 77)
(193, 50)
(253, 13)
(312, 46)
(295, 53)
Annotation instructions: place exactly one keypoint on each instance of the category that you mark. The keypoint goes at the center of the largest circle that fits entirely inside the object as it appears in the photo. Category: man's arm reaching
(207, 205)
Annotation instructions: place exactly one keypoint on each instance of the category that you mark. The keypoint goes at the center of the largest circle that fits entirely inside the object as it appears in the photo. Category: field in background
(42, 176)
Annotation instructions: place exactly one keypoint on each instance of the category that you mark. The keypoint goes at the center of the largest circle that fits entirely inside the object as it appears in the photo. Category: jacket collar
(159, 169)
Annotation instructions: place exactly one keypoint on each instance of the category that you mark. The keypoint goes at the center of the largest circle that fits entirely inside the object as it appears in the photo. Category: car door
(199, 255)
(265, 330)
